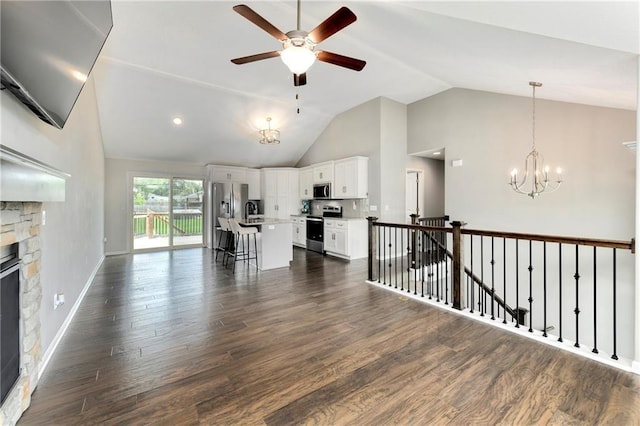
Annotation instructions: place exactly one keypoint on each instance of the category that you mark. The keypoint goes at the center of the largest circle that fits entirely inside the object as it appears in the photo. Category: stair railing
(502, 280)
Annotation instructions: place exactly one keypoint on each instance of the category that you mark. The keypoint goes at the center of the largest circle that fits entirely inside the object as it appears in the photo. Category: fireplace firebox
(9, 318)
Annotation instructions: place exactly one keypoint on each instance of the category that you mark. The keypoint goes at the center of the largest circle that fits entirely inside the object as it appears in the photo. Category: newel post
(372, 245)
(458, 265)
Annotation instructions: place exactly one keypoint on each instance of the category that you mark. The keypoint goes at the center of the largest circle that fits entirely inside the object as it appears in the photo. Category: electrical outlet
(58, 299)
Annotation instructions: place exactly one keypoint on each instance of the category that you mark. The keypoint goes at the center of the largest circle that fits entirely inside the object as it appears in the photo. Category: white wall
(72, 246)
(118, 195)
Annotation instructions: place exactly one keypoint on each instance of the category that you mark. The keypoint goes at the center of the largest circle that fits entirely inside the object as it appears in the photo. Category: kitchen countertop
(263, 221)
(330, 218)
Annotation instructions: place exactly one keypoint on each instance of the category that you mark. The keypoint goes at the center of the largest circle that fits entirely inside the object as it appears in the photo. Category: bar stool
(224, 243)
(240, 232)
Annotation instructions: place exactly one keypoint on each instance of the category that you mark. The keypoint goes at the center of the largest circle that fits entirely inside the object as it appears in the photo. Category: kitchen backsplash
(350, 208)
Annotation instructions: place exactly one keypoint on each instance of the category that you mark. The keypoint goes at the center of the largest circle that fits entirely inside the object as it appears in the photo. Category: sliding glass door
(167, 212)
(187, 212)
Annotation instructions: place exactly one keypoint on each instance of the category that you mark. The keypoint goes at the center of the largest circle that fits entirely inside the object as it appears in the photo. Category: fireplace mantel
(25, 179)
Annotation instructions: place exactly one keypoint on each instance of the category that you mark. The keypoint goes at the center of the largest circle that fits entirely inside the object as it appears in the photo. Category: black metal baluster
(595, 305)
(517, 284)
(379, 254)
(409, 261)
(493, 279)
(415, 268)
(433, 284)
(481, 293)
(401, 261)
(420, 263)
(504, 279)
(438, 268)
(560, 291)
(577, 309)
(390, 258)
(429, 268)
(530, 288)
(395, 255)
(446, 273)
(384, 257)
(544, 287)
(615, 355)
(471, 277)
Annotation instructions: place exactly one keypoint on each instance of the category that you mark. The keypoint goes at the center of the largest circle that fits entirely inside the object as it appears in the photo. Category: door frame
(420, 174)
(170, 176)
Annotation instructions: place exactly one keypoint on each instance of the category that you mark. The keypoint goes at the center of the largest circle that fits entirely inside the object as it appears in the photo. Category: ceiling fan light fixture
(298, 58)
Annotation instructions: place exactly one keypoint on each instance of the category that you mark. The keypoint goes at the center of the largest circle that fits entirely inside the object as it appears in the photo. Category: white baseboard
(116, 253)
(56, 340)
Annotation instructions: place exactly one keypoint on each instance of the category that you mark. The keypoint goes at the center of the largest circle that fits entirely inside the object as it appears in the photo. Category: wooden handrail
(593, 242)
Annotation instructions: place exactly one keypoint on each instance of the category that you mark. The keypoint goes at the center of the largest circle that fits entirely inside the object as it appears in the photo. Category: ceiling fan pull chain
(297, 105)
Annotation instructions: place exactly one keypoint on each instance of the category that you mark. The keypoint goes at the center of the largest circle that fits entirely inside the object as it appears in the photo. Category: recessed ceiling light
(177, 121)
(436, 153)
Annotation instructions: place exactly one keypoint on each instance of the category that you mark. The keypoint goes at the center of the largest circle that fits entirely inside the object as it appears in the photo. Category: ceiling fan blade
(334, 23)
(300, 79)
(340, 60)
(252, 16)
(256, 57)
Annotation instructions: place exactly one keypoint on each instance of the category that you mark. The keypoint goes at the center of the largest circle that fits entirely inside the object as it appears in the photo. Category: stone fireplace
(20, 222)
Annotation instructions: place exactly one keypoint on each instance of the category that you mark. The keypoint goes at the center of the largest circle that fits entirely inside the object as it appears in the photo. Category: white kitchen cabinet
(280, 192)
(253, 179)
(227, 174)
(323, 172)
(299, 225)
(351, 178)
(346, 238)
(335, 236)
(306, 183)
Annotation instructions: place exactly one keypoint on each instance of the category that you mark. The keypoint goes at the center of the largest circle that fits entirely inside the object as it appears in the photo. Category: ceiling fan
(298, 46)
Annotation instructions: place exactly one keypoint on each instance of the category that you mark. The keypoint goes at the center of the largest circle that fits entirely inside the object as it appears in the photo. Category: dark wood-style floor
(174, 338)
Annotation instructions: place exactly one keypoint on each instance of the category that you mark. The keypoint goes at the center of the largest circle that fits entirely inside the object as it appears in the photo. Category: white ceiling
(172, 58)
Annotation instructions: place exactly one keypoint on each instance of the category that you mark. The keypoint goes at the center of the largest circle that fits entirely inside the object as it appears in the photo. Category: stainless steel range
(315, 228)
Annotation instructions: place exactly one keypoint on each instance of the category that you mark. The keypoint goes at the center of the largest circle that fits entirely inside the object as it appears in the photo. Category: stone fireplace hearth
(20, 222)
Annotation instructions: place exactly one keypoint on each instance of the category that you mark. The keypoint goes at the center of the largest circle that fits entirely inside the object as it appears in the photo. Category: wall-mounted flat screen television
(48, 49)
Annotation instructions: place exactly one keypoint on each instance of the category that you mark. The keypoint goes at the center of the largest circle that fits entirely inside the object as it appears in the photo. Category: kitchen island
(275, 248)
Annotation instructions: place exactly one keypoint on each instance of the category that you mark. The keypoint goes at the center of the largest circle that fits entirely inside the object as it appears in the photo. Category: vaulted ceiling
(167, 59)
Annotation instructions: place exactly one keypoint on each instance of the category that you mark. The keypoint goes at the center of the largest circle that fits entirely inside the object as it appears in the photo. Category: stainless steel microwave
(322, 191)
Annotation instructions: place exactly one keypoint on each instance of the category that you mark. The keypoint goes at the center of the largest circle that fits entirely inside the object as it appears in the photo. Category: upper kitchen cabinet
(323, 172)
(227, 174)
(280, 192)
(351, 177)
(306, 183)
(253, 179)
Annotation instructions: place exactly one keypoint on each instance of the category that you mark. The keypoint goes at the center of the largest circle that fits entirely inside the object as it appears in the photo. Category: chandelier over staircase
(536, 179)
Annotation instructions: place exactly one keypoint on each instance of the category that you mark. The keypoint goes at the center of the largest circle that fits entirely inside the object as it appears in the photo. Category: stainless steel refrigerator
(229, 200)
